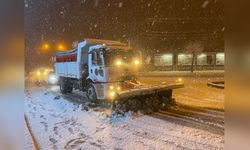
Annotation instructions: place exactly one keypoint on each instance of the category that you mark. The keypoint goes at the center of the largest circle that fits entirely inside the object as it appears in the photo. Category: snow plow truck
(107, 70)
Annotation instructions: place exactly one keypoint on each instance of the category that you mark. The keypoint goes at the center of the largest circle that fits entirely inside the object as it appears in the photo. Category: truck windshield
(114, 55)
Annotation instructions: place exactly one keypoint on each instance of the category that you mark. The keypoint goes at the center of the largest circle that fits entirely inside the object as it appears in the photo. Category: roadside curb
(36, 145)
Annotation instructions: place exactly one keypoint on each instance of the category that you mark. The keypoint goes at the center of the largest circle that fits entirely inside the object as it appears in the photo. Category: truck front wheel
(91, 93)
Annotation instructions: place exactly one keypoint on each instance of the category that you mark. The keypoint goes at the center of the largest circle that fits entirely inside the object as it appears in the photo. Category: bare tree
(194, 47)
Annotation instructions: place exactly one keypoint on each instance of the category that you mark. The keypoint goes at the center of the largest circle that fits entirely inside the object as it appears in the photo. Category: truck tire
(91, 93)
(63, 87)
(69, 89)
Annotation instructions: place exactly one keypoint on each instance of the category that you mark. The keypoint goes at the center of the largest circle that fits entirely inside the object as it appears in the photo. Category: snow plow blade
(147, 99)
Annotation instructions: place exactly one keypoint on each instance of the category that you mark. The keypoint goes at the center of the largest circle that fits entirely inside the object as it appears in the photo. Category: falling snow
(205, 4)
(146, 25)
(149, 27)
(120, 4)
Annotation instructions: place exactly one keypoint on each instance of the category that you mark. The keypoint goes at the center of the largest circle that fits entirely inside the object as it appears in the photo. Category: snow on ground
(59, 123)
(195, 93)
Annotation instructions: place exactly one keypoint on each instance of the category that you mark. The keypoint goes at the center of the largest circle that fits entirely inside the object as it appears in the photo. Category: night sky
(150, 25)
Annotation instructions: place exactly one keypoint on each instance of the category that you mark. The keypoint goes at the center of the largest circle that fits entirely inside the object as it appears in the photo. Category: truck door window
(99, 60)
(94, 57)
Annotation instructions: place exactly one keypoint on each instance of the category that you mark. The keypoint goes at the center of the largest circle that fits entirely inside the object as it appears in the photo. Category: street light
(60, 47)
(45, 47)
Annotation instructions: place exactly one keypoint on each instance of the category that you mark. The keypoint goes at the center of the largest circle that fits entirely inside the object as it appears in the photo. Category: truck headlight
(137, 62)
(118, 62)
(53, 79)
(118, 88)
(112, 94)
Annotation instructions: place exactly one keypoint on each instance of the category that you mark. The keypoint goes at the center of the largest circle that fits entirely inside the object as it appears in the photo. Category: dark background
(153, 26)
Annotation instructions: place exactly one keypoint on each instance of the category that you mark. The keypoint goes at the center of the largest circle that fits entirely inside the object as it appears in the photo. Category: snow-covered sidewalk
(58, 123)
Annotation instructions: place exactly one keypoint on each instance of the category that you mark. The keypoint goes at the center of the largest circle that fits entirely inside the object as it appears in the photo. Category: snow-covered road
(65, 122)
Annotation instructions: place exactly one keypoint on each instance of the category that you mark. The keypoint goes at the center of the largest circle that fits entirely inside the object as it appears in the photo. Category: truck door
(96, 68)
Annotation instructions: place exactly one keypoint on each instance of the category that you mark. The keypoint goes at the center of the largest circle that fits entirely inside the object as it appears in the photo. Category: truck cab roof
(108, 44)
(103, 42)
(112, 47)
